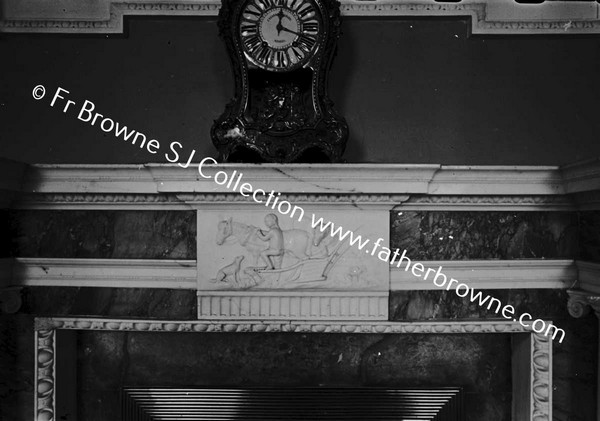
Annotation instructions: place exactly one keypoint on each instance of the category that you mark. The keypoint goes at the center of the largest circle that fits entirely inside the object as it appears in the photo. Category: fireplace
(154, 316)
(388, 362)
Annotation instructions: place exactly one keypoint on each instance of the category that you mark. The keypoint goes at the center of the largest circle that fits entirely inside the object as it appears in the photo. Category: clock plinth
(281, 52)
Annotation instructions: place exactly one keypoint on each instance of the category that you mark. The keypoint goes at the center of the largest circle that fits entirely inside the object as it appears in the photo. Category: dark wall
(413, 91)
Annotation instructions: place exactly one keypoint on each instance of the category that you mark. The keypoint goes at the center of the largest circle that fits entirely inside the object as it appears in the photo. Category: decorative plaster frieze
(170, 201)
(487, 16)
(492, 274)
(489, 203)
(270, 326)
(100, 201)
(186, 201)
(387, 201)
(116, 273)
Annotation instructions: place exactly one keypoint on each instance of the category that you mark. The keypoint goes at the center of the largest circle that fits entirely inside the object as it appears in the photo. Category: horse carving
(296, 242)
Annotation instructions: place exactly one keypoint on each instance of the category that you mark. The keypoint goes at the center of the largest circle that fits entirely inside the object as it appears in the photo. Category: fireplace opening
(348, 404)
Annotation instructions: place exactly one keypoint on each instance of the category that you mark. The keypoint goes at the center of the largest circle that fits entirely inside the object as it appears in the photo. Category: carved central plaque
(261, 264)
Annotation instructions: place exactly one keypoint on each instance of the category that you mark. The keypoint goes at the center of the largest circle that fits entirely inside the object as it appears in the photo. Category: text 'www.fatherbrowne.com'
(438, 278)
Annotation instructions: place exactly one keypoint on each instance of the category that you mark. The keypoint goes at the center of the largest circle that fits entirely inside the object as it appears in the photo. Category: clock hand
(279, 26)
(283, 28)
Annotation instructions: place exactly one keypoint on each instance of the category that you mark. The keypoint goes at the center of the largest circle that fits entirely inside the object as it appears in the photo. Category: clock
(281, 53)
(280, 35)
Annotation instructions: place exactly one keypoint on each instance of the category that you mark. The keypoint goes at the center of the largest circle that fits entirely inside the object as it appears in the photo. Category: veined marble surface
(104, 234)
(450, 235)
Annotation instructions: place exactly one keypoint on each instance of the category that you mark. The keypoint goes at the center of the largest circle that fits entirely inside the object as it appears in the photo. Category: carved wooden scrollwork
(578, 304)
(542, 377)
(45, 375)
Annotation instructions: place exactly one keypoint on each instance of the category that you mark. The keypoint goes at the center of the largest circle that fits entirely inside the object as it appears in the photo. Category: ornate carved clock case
(281, 52)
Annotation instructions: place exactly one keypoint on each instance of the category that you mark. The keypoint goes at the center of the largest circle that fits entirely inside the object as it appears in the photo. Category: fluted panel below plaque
(305, 306)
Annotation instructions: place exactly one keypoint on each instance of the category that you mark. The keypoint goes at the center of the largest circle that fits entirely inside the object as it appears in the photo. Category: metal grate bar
(267, 404)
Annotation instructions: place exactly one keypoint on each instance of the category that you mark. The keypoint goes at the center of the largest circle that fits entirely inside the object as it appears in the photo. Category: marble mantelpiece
(341, 193)
(351, 284)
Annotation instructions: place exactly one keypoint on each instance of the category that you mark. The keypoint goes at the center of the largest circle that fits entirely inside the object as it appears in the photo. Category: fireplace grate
(265, 404)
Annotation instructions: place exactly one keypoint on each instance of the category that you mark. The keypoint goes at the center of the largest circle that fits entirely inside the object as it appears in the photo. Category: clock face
(280, 35)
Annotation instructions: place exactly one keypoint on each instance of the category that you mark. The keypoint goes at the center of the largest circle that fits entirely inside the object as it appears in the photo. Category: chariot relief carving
(278, 257)
(267, 251)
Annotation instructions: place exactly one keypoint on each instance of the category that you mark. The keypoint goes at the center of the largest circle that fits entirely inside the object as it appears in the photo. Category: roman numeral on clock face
(296, 54)
(281, 59)
(306, 42)
(251, 14)
(296, 4)
(278, 58)
(306, 11)
(312, 26)
(252, 42)
(263, 54)
(266, 4)
(248, 29)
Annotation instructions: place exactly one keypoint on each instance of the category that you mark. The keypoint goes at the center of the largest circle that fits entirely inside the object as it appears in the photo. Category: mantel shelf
(314, 179)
